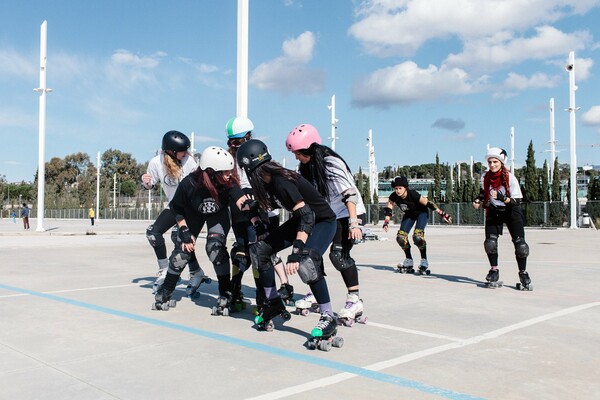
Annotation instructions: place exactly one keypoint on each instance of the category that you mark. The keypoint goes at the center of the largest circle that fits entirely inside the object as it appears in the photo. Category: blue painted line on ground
(366, 373)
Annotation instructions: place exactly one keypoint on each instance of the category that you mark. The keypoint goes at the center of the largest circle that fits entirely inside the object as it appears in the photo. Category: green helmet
(238, 127)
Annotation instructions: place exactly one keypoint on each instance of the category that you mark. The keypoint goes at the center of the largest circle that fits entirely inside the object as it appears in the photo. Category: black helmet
(175, 141)
(251, 154)
(400, 181)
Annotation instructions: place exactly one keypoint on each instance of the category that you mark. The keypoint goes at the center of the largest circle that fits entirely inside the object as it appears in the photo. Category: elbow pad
(431, 206)
(387, 212)
(307, 219)
(351, 196)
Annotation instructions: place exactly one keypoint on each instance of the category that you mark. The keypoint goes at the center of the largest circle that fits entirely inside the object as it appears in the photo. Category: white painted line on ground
(414, 332)
(292, 390)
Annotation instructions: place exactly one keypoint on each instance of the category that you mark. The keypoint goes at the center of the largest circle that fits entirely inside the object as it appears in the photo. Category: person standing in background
(92, 215)
(25, 216)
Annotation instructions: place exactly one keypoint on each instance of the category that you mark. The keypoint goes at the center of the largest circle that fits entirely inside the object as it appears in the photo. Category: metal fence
(544, 214)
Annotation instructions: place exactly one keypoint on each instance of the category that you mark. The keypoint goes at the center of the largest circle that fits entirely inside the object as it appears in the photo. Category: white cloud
(289, 72)
(406, 83)
(388, 27)
(592, 116)
(501, 49)
(516, 81)
(16, 65)
(126, 70)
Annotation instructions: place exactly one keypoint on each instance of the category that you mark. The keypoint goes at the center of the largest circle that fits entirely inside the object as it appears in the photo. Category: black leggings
(515, 222)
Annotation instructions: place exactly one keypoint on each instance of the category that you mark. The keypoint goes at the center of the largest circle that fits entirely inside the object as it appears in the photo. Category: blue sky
(428, 77)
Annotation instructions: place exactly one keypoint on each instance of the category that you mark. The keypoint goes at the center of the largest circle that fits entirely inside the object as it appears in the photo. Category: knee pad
(260, 254)
(491, 244)
(239, 257)
(154, 238)
(216, 250)
(419, 239)
(310, 267)
(402, 239)
(340, 259)
(178, 260)
(174, 237)
(521, 248)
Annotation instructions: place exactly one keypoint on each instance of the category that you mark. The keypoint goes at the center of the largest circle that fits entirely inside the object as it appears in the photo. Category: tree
(545, 186)
(437, 190)
(531, 176)
(555, 182)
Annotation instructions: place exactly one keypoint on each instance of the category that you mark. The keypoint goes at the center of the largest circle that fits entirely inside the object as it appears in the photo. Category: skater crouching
(414, 206)
(501, 197)
(203, 198)
(332, 177)
(309, 231)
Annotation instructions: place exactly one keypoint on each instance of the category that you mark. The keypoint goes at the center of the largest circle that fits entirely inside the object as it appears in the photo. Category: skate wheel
(337, 342)
(225, 312)
(214, 311)
(348, 322)
(304, 312)
(286, 316)
(154, 306)
(362, 320)
(207, 281)
(172, 303)
(530, 288)
(311, 345)
(324, 345)
(269, 327)
(428, 272)
(518, 286)
(164, 306)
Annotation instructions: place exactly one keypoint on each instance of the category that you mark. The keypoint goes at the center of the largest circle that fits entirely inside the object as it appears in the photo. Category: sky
(427, 77)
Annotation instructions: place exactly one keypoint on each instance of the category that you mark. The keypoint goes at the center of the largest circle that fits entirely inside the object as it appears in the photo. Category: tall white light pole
(552, 140)
(373, 181)
(334, 121)
(42, 90)
(512, 149)
(97, 186)
(242, 59)
(572, 142)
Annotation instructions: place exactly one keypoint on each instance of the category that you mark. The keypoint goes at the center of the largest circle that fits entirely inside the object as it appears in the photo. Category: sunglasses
(236, 142)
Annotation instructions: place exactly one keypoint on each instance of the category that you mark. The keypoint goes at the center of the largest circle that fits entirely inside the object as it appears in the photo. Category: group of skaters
(241, 189)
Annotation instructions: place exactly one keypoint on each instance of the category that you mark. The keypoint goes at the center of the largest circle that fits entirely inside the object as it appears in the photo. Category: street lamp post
(570, 67)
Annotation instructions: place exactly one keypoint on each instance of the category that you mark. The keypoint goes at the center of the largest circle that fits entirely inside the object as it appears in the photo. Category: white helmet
(216, 158)
(498, 153)
(238, 127)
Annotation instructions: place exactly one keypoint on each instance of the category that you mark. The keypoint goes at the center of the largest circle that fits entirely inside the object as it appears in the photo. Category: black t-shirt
(192, 202)
(410, 205)
(286, 194)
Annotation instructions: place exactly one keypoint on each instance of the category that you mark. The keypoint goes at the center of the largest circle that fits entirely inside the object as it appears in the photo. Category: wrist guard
(387, 212)
(297, 249)
(184, 234)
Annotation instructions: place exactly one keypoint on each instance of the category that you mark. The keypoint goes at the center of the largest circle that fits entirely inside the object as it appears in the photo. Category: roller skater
(166, 170)
(352, 312)
(196, 279)
(270, 309)
(423, 268)
(406, 267)
(332, 177)
(492, 279)
(323, 336)
(501, 198)
(307, 304)
(308, 231)
(415, 208)
(162, 300)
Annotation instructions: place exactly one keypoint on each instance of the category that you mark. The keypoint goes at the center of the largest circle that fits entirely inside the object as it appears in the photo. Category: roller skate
(306, 304)
(352, 311)
(223, 306)
(238, 303)
(423, 267)
(162, 300)
(323, 336)
(160, 279)
(406, 267)
(492, 279)
(271, 308)
(525, 283)
(286, 292)
(196, 279)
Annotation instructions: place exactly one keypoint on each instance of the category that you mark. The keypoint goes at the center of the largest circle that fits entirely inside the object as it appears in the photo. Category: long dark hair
(212, 180)
(271, 168)
(315, 170)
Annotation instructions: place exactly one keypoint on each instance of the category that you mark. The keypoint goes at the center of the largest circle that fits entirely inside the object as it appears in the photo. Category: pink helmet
(301, 137)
